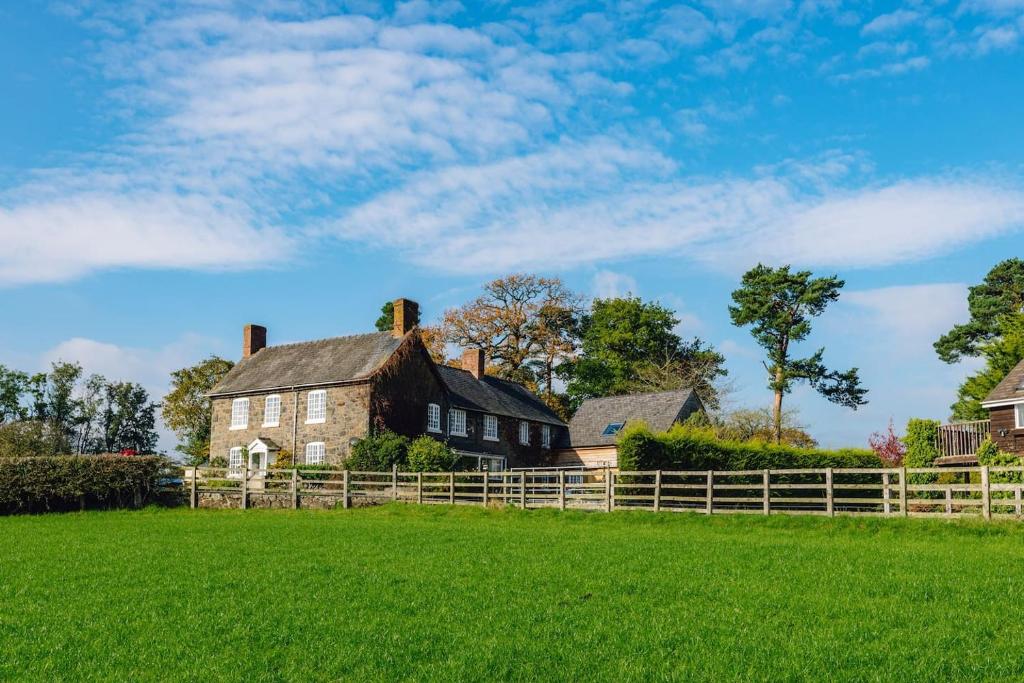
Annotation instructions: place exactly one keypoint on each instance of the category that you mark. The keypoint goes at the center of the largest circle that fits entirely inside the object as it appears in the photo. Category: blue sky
(171, 171)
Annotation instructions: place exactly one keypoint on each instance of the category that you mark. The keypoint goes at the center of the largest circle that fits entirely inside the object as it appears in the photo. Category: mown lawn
(408, 593)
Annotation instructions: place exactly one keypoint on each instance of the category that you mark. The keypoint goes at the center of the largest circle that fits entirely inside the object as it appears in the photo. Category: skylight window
(613, 428)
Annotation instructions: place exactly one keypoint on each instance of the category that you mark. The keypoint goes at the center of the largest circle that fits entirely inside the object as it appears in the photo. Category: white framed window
(545, 436)
(315, 453)
(433, 418)
(316, 406)
(272, 411)
(524, 433)
(1019, 411)
(235, 458)
(240, 413)
(490, 427)
(457, 422)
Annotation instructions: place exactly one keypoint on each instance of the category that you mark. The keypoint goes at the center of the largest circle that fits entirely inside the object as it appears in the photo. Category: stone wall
(348, 417)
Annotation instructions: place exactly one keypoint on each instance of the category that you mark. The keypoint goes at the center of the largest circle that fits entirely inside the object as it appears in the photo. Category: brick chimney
(407, 316)
(473, 361)
(254, 338)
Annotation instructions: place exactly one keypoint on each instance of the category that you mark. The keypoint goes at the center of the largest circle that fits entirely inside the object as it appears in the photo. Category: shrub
(78, 482)
(688, 448)
(989, 454)
(430, 455)
(378, 452)
(922, 443)
(888, 447)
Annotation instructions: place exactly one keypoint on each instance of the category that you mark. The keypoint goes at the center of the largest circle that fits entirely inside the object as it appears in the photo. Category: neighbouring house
(959, 442)
(594, 428)
(311, 401)
(1005, 406)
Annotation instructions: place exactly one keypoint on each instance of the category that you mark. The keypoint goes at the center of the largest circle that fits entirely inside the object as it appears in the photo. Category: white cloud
(608, 284)
(604, 201)
(907, 319)
(57, 239)
(998, 38)
(886, 23)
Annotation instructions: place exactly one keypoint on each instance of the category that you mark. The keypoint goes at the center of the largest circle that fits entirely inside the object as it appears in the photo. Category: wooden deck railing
(978, 491)
(963, 438)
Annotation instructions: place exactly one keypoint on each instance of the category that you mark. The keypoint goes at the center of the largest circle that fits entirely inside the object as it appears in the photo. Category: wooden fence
(954, 491)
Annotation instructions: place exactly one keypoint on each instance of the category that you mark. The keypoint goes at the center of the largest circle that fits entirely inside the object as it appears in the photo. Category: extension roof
(495, 396)
(322, 362)
(659, 410)
(1012, 386)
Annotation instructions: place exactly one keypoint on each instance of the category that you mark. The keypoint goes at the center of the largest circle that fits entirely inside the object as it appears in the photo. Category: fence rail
(958, 491)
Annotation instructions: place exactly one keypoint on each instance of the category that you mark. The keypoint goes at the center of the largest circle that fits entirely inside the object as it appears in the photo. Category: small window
(240, 413)
(272, 411)
(491, 427)
(235, 458)
(1020, 415)
(545, 436)
(433, 418)
(315, 453)
(524, 433)
(613, 429)
(316, 407)
(457, 422)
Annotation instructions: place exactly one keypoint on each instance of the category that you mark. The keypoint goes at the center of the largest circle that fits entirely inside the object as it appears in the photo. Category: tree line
(62, 412)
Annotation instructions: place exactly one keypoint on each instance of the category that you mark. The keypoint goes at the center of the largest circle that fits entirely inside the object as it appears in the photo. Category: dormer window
(240, 413)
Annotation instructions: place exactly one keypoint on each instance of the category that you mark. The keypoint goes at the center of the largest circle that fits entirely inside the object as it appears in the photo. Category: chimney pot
(473, 360)
(254, 338)
(407, 316)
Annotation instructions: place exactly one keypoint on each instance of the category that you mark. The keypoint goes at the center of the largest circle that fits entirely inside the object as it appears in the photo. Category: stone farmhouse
(310, 402)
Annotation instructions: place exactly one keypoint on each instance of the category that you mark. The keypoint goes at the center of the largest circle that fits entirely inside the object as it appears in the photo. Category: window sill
(271, 424)
(491, 438)
(462, 434)
(433, 431)
(317, 422)
(238, 428)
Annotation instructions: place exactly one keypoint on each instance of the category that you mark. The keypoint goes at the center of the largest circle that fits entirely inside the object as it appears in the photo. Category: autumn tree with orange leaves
(525, 324)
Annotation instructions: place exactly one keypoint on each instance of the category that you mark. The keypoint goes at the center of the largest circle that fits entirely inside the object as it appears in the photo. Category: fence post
(561, 489)
(986, 499)
(487, 487)
(344, 488)
(949, 500)
(295, 489)
(1016, 501)
(394, 482)
(830, 507)
(903, 491)
(612, 476)
(193, 499)
(767, 501)
(886, 505)
(711, 491)
(522, 491)
(607, 489)
(245, 487)
(657, 491)
(419, 488)
(451, 488)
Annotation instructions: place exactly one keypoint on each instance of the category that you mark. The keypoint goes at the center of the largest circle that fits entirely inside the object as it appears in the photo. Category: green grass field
(408, 593)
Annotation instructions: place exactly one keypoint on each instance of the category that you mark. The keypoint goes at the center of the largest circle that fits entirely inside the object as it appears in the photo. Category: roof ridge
(641, 393)
(324, 339)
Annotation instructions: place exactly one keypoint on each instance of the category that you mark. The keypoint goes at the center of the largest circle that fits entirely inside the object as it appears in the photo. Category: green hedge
(79, 482)
(688, 448)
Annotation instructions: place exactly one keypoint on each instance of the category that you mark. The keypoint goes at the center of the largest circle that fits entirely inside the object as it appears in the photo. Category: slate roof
(659, 410)
(495, 396)
(325, 361)
(1010, 388)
